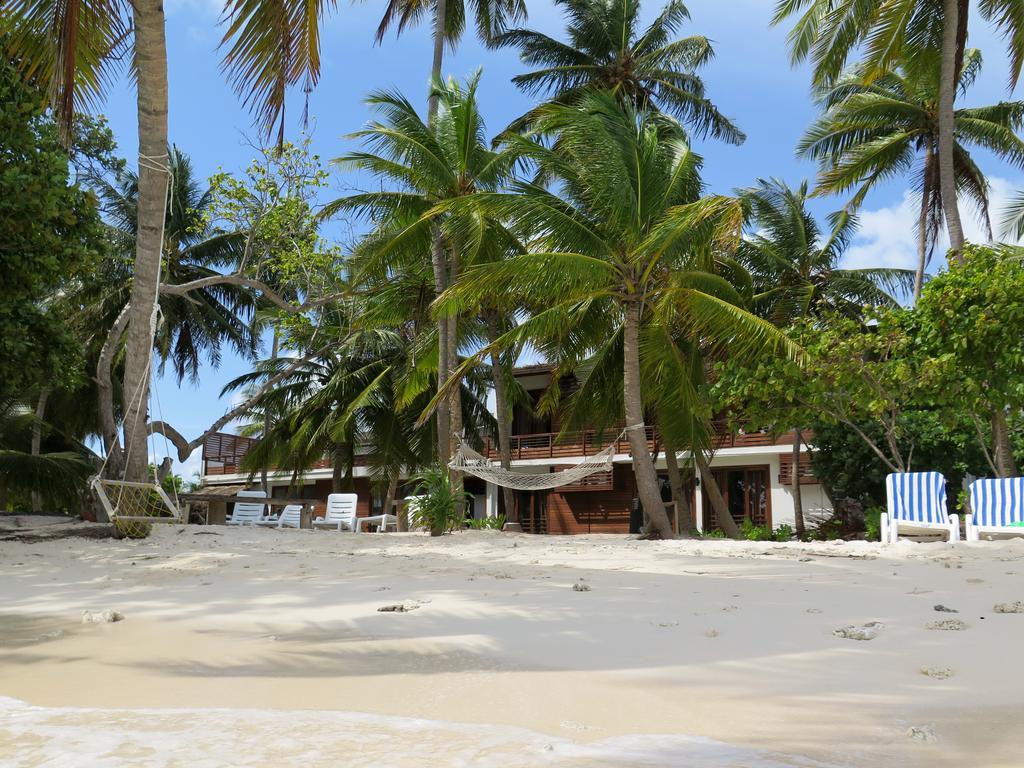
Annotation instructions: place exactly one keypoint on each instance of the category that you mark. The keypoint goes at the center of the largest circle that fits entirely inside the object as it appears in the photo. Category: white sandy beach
(265, 647)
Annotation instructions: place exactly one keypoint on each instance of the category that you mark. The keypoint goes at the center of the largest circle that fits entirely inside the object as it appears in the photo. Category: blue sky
(750, 80)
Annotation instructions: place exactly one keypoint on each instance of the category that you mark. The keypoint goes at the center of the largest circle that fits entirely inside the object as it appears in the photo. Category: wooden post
(306, 516)
(218, 513)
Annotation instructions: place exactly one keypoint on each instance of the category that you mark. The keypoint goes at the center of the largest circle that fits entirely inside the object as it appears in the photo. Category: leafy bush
(783, 533)
(441, 506)
(487, 523)
(713, 533)
(752, 532)
(873, 523)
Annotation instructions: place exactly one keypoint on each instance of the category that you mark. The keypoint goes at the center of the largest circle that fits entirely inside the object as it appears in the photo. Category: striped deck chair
(995, 505)
(917, 504)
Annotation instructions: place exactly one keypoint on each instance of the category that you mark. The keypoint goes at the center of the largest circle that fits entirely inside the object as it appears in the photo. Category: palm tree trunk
(679, 494)
(37, 441)
(643, 466)
(922, 224)
(715, 498)
(947, 98)
(502, 417)
(151, 65)
(798, 503)
(1002, 449)
(437, 255)
(267, 417)
(389, 498)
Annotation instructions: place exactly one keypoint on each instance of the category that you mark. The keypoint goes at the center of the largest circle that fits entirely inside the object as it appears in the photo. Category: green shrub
(873, 523)
(487, 523)
(783, 533)
(752, 532)
(441, 507)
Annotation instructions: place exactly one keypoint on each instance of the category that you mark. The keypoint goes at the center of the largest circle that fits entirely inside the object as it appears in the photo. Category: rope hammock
(123, 500)
(468, 460)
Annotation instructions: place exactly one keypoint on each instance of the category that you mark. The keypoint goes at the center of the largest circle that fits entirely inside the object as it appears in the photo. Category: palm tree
(421, 164)
(1013, 220)
(796, 274)
(449, 22)
(830, 31)
(872, 131)
(73, 50)
(609, 50)
(38, 464)
(206, 321)
(621, 243)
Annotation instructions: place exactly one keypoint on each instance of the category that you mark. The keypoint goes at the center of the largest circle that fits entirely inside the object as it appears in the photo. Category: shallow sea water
(31, 737)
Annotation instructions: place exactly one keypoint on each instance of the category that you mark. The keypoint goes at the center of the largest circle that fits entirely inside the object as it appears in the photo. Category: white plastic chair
(248, 512)
(341, 513)
(917, 504)
(996, 503)
(289, 517)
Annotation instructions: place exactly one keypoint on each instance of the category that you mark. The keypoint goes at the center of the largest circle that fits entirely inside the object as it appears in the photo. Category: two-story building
(753, 471)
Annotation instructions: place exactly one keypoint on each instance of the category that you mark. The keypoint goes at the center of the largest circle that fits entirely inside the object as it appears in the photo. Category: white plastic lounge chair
(995, 505)
(917, 504)
(248, 512)
(383, 522)
(341, 513)
(289, 517)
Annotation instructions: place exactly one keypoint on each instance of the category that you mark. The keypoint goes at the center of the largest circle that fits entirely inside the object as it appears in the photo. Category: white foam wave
(59, 737)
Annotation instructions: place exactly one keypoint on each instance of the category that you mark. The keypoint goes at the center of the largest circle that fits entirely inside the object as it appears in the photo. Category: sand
(259, 647)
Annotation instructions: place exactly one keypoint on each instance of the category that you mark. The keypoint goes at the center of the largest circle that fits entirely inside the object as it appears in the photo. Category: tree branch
(248, 282)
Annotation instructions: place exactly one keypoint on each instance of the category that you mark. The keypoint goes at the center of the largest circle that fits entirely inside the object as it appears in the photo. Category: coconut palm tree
(449, 24)
(795, 271)
(872, 131)
(621, 242)
(421, 163)
(608, 49)
(1013, 220)
(74, 49)
(886, 31)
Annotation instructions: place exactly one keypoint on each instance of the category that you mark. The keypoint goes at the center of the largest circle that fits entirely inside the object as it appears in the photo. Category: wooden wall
(593, 511)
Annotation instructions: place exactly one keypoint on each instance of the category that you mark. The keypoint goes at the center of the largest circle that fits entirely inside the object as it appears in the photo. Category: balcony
(550, 445)
(223, 453)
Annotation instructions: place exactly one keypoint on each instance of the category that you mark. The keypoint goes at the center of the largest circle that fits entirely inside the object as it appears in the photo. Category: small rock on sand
(947, 625)
(397, 608)
(851, 632)
(937, 673)
(923, 733)
(945, 609)
(108, 616)
(580, 586)
(1017, 606)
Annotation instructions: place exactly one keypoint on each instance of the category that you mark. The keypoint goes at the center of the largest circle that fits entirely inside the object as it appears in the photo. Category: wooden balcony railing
(550, 445)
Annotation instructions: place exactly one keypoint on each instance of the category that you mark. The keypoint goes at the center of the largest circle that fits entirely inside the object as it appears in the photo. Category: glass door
(745, 490)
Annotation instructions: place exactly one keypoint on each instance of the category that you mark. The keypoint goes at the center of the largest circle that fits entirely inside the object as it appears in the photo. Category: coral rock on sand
(949, 625)
(1017, 606)
(937, 673)
(868, 631)
(103, 617)
(944, 609)
(580, 586)
(925, 733)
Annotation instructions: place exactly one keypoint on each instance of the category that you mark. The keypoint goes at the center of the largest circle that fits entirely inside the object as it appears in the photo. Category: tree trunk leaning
(679, 494)
(715, 498)
(151, 65)
(947, 136)
(1002, 448)
(643, 467)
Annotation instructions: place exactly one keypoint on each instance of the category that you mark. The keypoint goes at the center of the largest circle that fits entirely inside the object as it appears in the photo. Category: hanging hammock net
(469, 461)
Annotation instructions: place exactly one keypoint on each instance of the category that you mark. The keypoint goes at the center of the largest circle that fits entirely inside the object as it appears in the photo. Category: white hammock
(469, 461)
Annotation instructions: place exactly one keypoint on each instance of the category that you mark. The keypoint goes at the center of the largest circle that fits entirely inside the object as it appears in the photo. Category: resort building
(753, 471)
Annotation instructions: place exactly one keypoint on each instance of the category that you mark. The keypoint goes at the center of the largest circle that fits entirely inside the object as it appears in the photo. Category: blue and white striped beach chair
(917, 504)
(995, 505)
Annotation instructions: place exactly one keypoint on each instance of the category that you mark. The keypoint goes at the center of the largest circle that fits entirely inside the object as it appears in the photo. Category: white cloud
(887, 236)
